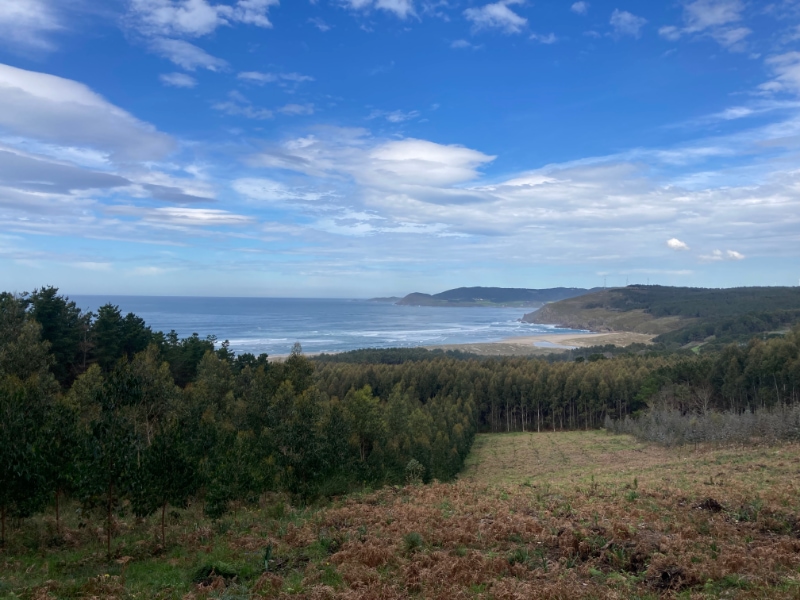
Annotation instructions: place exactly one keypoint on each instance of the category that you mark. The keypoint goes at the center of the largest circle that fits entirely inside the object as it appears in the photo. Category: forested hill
(490, 296)
(678, 314)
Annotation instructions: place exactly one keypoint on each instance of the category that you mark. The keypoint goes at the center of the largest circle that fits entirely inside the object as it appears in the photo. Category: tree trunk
(108, 520)
(163, 534)
(3, 526)
(58, 515)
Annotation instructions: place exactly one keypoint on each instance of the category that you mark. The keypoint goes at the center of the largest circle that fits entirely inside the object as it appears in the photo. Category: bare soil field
(534, 515)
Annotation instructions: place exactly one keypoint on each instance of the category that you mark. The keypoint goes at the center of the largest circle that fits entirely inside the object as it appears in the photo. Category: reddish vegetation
(605, 518)
(520, 544)
(671, 531)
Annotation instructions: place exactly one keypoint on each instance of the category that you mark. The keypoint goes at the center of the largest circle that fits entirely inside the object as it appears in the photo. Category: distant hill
(492, 296)
(677, 314)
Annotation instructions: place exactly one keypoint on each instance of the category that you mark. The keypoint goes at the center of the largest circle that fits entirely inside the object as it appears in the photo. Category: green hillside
(491, 296)
(678, 315)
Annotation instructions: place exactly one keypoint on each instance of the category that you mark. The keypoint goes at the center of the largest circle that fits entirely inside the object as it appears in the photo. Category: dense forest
(100, 408)
(662, 301)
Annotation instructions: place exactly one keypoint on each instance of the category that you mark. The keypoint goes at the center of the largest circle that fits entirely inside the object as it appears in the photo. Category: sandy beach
(545, 343)
(531, 345)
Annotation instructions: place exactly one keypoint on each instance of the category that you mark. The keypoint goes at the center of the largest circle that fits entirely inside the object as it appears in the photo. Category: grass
(549, 515)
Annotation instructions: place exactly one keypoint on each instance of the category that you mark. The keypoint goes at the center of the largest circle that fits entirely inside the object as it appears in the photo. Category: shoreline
(528, 345)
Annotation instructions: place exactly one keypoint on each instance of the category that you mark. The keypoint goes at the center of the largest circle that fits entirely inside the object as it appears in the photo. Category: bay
(273, 325)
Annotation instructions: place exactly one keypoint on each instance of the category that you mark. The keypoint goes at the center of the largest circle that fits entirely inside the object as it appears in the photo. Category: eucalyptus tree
(111, 446)
(27, 388)
(166, 474)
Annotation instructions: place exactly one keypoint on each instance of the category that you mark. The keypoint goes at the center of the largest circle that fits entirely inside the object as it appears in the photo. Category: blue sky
(352, 148)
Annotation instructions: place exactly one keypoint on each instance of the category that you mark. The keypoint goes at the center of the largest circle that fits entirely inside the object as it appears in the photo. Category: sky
(355, 148)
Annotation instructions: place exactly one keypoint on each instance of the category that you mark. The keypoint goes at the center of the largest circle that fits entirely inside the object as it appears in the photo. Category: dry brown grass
(573, 515)
(550, 515)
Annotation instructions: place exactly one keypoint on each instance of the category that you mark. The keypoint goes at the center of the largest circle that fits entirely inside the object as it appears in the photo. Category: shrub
(671, 427)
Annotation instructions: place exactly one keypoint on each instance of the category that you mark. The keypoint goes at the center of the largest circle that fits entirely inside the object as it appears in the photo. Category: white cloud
(625, 23)
(262, 78)
(713, 18)
(676, 244)
(181, 217)
(295, 77)
(670, 32)
(496, 16)
(731, 38)
(550, 38)
(187, 55)
(149, 271)
(268, 190)
(239, 106)
(704, 14)
(181, 80)
(395, 116)
(719, 255)
(257, 77)
(715, 256)
(401, 8)
(786, 68)
(422, 162)
(406, 162)
(67, 113)
(580, 8)
(27, 23)
(460, 44)
(564, 213)
(93, 266)
(197, 216)
(320, 24)
(194, 18)
(297, 109)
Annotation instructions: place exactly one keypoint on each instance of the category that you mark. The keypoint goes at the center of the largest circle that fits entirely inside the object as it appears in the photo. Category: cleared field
(550, 515)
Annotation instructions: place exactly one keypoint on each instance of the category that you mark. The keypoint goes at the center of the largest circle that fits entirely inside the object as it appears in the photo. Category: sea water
(273, 325)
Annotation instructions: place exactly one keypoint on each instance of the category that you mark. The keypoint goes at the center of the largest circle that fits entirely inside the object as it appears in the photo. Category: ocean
(273, 325)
